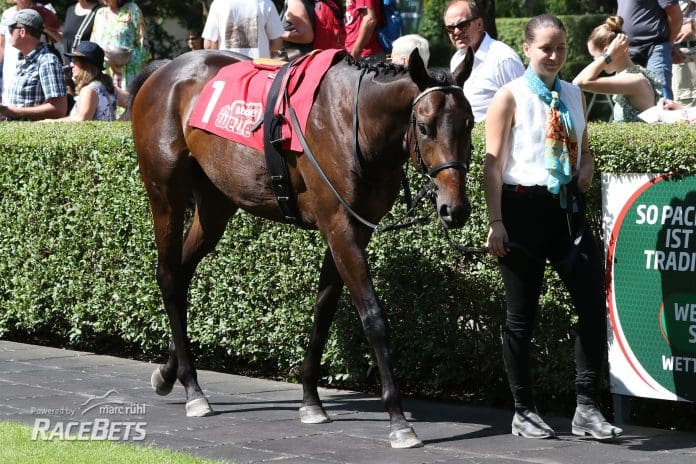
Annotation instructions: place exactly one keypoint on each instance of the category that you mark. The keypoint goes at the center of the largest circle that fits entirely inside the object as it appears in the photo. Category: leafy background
(78, 262)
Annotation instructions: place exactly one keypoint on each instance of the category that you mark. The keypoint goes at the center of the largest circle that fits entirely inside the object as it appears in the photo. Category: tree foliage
(522, 8)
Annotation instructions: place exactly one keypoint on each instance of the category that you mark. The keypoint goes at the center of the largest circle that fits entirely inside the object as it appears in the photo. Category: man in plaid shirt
(38, 92)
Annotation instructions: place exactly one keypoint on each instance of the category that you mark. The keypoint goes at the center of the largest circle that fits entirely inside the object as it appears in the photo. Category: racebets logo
(239, 117)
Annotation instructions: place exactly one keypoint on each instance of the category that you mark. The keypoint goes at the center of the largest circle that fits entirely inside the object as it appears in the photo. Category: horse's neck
(384, 112)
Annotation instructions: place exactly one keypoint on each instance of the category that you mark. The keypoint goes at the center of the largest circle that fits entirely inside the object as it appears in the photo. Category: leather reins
(428, 172)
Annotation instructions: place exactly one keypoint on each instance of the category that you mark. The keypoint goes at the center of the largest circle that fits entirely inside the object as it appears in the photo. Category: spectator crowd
(76, 69)
(643, 57)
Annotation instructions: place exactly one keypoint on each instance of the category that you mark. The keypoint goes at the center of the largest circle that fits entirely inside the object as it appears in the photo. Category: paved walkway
(257, 421)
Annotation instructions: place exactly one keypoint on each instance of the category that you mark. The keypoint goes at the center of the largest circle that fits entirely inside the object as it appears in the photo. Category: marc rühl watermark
(105, 417)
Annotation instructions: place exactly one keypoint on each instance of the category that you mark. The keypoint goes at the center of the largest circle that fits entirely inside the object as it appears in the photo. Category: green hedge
(78, 264)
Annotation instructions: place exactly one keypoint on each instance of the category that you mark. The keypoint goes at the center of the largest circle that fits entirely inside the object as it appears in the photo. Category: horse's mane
(385, 68)
(438, 76)
(441, 76)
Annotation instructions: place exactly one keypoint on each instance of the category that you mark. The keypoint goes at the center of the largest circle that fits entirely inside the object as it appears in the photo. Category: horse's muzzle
(453, 217)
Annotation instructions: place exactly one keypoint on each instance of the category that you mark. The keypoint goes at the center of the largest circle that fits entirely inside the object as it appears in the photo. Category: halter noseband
(431, 172)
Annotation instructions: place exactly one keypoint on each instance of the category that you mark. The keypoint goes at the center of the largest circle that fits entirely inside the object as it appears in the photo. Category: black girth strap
(272, 141)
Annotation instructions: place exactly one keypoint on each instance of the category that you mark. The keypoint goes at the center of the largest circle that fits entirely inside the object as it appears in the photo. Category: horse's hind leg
(163, 378)
(176, 265)
(330, 285)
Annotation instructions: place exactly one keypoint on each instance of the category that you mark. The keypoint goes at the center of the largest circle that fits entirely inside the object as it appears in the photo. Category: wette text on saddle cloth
(233, 102)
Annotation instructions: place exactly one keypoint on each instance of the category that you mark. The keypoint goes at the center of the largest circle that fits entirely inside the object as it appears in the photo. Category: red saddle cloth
(233, 102)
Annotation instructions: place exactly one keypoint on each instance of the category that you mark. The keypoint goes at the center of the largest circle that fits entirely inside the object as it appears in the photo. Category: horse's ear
(416, 68)
(463, 71)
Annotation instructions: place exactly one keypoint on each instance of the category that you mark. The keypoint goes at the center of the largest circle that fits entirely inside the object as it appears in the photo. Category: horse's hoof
(405, 438)
(161, 386)
(313, 415)
(198, 408)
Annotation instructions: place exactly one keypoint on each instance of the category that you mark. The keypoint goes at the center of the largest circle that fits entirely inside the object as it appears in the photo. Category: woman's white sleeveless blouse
(524, 155)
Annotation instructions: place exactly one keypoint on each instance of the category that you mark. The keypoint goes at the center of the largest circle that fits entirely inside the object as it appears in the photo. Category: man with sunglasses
(495, 63)
(38, 91)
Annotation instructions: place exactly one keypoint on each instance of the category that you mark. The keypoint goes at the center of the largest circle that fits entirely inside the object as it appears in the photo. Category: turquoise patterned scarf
(561, 151)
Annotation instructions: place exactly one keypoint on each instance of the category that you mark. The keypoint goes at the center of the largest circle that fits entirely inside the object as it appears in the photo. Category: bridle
(432, 172)
(429, 190)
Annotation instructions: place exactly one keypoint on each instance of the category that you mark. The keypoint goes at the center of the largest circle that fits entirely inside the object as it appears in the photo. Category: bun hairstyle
(602, 35)
(540, 22)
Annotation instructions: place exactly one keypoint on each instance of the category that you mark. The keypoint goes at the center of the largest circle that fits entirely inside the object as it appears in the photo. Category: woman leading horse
(399, 114)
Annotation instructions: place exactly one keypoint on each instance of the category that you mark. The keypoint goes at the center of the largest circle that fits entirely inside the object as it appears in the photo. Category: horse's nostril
(454, 217)
(445, 212)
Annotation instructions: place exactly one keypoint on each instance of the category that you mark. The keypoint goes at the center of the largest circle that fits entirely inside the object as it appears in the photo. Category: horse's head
(439, 136)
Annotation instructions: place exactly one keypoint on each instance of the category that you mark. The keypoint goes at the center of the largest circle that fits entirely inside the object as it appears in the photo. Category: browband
(444, 88)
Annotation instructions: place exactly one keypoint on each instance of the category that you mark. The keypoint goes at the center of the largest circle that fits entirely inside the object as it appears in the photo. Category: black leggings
(537, 223)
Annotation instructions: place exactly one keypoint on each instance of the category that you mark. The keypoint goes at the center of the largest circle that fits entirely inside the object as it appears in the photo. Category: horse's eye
(423, 128)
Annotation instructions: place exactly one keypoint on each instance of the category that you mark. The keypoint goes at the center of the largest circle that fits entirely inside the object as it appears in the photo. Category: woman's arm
(628, 84)
(622, 84)
(590, 73)
(87, 106)
(499, 120)
(367, 28)
(589, 78)
(635, 87)
(299, 17)
(122, 97)
(586, 165)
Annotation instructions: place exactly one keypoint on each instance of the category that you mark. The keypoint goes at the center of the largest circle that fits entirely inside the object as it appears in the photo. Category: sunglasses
(461, 25)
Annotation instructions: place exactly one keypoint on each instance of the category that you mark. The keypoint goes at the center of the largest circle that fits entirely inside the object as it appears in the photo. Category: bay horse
(402, 113)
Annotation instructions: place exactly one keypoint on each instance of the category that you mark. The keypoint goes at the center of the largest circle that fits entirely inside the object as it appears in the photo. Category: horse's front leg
(330, 285)
(348, 245)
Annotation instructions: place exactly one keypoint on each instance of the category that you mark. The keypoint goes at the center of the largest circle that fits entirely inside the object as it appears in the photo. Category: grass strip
(17, 447)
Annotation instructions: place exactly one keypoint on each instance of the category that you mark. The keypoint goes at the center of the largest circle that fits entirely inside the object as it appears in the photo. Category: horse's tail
(140, 79)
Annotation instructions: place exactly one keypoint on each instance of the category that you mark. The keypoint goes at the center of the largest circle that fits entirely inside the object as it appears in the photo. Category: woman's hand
(618, 46)
(685, 32)
(497, 237)
(669, 104)
(584, 181)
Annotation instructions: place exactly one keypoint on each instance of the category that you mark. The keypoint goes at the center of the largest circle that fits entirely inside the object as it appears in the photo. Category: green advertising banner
(649, 223)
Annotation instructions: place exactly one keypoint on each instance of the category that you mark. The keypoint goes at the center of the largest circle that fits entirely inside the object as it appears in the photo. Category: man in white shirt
(8, 54)
(495, 63)
(250, 27)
